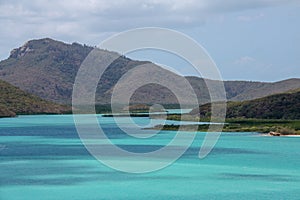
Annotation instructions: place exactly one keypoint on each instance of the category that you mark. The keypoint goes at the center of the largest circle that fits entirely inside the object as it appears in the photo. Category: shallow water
(42, 157)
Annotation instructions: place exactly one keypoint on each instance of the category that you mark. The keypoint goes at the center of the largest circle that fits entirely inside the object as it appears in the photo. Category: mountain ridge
(47, 68)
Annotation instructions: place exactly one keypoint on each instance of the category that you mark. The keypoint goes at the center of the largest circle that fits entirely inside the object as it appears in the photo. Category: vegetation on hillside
(276, 113)
(279, 106)
(14, 101)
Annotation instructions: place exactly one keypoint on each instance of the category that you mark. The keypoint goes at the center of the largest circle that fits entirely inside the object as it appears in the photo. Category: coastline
(266, 127)
(268, 135)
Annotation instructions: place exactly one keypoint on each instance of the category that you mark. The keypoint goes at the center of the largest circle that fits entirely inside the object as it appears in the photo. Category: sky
(257, 40)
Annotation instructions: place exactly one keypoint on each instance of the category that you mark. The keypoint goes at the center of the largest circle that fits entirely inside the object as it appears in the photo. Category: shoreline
(281, 135)
(264, 127)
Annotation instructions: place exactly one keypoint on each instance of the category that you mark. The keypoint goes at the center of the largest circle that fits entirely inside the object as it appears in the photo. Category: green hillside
(279, 106)
(276, 114)
(14, 101)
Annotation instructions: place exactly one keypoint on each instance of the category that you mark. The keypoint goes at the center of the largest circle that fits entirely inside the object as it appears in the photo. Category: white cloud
(245, 60)
(114, 14)
(249, 18)
(83, 21)
(248, 63)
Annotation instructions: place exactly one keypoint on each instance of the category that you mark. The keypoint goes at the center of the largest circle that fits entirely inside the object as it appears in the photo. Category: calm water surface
(42, 157)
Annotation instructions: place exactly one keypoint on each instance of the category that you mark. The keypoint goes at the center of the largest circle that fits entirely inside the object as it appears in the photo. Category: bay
(42, 157)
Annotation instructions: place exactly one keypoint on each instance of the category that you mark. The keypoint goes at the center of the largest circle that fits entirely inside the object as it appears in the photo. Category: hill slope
(279, 106)
(47, 68)
(14, 101)
(256, 90)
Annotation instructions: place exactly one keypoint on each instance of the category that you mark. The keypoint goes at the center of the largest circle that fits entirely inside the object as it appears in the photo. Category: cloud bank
(76, 17)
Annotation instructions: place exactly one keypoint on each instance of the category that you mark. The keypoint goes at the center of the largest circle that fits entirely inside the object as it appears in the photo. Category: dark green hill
(14, 101)
(279, 106)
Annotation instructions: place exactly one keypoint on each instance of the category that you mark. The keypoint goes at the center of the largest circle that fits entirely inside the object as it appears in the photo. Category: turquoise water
(43, 158)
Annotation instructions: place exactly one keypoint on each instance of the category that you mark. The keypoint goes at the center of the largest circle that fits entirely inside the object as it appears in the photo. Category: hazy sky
(248, 39)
